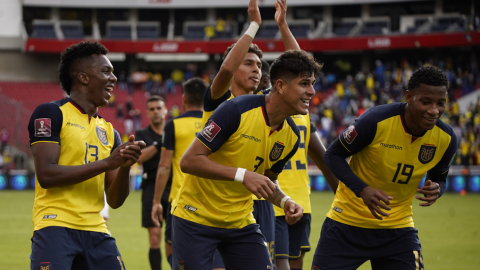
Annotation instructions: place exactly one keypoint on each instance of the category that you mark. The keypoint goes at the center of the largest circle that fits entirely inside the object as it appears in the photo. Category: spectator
(120, 111)
(209, 31)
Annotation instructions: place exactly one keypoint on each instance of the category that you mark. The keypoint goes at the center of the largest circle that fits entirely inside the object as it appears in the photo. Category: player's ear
(279, 84)
(82, 77)
(408, 96)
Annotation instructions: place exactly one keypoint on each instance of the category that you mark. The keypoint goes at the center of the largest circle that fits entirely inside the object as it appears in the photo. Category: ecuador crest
(102, 135)
(427, 152)
(277, 151)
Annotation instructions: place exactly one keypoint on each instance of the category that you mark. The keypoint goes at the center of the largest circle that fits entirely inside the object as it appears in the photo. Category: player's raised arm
(281, 18)
(234, 59)
(316, 151)
(164, 168)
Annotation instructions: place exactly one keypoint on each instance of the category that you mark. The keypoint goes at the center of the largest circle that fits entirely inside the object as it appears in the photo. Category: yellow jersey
(239, 135)
(210, 105)
(178, 134)
(82, 140)
(385, 156)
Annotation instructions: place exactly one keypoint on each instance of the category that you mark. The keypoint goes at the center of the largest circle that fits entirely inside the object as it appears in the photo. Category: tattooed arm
(293, 211)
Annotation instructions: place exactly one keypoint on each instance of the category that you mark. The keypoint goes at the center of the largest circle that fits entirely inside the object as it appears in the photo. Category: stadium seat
(148, 30)
(46, 30)
(72, 31)
(194, 32)
(344, 29)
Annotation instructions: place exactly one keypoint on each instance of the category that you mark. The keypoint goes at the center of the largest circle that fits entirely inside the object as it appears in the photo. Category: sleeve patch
(350, 134)
(43, 127)
(210, 131)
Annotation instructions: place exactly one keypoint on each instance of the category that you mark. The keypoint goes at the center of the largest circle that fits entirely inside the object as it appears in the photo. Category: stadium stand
(119, 30)
(43, 29)
(72, 29)
(148, 30)
(194, 30)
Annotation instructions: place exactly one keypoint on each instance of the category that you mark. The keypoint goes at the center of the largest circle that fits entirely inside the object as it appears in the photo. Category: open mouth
(306, 101)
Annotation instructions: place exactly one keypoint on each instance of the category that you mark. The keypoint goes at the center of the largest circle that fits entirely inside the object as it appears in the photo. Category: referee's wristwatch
(157, 145)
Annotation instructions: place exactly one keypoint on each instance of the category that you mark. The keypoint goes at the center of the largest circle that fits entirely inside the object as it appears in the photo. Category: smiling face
(297, 93)
(426, 104)
(100, 80)
(248, 74)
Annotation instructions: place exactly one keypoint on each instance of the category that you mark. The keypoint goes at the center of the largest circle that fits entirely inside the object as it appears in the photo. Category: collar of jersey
(76, 105)
(267, 122)
(404, 124)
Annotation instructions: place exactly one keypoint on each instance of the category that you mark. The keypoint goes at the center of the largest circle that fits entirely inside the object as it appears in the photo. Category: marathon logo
(250, 138)
(350, 134)
(391, 146)
(43, 127)
(50, 217)
(210, 131)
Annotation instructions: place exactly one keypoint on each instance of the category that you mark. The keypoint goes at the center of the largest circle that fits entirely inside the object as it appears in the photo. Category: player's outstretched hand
(157, 214)
(293, 212)
(430, 191)
(375, 198)
(260, 185)
(254, 12)
(281, 12)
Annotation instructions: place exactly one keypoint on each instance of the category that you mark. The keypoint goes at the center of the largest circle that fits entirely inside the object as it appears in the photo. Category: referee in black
(152, 135)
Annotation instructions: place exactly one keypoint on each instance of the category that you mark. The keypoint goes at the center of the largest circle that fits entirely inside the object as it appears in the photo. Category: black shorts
(63, 248)
(291, 240)
(194, 247)
(147, 201)
(343, 247)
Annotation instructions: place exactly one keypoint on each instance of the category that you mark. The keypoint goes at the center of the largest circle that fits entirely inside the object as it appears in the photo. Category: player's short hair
(253, 48)
(428, 75)
(265, 69)
(193, 90)
(291, 64)
(155, 98)
(71, 56)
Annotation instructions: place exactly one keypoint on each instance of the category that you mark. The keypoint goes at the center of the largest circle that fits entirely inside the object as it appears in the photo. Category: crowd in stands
(340, 100)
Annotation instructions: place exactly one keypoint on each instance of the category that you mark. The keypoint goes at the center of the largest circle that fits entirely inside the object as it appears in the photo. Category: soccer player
(241, 151)
(392, 147)
(265, 79)
(152, 136)
(179, 133)
(78, 156)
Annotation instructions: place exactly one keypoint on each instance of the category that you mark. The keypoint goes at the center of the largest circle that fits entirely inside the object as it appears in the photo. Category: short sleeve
(361, 133)
(210, 104)
(169, 135)
(220, 126)
(440, 171)
(45, 124)
(117, 140)
(278, 167)
(139, 135)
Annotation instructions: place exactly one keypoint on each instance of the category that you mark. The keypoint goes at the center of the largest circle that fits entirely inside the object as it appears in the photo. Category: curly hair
(253, 48)
(291, 64)
(428, 75)
(71, 57)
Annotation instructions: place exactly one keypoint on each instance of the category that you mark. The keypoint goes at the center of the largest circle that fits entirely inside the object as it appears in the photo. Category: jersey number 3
(406, 171)
(94, 152)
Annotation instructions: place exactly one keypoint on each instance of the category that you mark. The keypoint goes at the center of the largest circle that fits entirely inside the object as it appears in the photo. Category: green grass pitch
(449, 231)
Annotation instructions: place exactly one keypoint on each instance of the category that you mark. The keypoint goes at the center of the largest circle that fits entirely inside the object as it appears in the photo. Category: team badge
(210, 131)
(45, 266)
(102, 135)
(350, 134)
(43, 127)
(427, 152)
(277, 151)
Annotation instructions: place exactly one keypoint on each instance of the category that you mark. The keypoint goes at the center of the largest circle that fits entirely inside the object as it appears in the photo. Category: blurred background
(369, 50)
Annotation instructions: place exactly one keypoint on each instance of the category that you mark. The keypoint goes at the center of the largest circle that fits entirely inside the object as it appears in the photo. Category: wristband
(252, 29)
(282, 202)
(239, 175)
(157, 145)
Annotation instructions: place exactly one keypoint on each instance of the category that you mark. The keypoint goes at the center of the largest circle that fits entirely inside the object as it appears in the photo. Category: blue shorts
(291, 240)
(265, 217)
(217, 258)
(63, 248)
(194, 247)
(343, 246)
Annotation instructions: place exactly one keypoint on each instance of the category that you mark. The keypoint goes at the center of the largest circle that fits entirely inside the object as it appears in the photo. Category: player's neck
(276, 114)
(410, 125)
(239, 91)
(89, 108)
(189, 108)
(158, 128)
